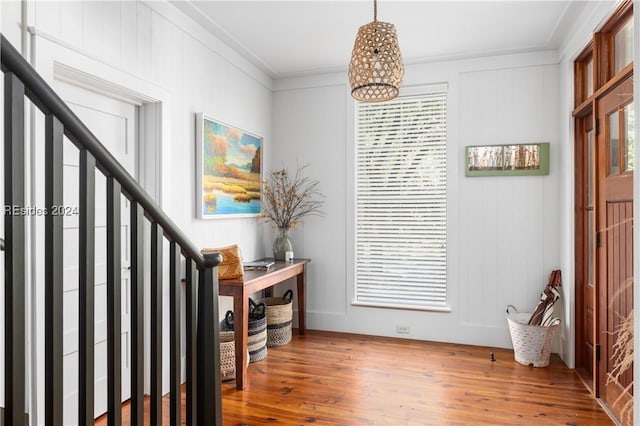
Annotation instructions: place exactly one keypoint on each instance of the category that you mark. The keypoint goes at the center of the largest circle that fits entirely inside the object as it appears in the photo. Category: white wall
(151, 48)
(154, 43)
(503, 233)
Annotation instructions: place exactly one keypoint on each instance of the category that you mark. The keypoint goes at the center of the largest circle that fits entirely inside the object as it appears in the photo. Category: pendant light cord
(375, 10)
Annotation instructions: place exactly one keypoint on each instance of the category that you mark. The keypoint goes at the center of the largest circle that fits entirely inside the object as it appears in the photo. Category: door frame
(636, 210)
(54, 60)
(592, 383)
(99, 107)
(581, 244)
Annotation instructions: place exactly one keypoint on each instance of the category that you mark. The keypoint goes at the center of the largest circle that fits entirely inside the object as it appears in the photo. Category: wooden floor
(330, 378)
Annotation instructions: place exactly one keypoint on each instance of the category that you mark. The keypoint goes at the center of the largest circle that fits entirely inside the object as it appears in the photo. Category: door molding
(55, 60)
(148, 157)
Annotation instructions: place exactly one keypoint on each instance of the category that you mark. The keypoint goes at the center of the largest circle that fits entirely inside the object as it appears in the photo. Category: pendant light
(376, 69)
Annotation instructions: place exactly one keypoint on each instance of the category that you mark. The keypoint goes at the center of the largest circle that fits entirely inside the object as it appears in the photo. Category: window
(401, 205)
(623, 47)
(621, 126)
(606, 60)
(584, 73)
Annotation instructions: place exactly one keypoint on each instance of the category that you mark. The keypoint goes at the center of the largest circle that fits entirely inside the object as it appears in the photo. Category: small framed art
(507, 160)
(228, 170)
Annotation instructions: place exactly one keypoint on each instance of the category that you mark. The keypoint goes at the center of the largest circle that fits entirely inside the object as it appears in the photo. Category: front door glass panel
(591, 224)
(614, 143)
(589, 77)
(629, 133)
(623, 47)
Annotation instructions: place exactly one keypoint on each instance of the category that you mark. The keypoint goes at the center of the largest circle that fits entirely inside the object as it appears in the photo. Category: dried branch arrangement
(286, 199)
(623, 360)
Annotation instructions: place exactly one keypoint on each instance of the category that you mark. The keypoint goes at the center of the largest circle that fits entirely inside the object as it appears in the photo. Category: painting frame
(229, 170)
(524, 159)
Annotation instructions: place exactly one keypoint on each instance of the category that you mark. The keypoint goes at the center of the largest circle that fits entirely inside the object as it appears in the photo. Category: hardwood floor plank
(333, 378)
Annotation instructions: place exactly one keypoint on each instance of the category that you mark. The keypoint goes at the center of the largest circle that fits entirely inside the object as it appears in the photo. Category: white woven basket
(531, 343)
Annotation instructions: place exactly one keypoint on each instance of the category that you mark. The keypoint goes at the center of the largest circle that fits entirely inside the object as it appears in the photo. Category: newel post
(209, 399)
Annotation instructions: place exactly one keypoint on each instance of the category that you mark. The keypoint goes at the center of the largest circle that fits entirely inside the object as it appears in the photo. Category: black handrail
(40, 93)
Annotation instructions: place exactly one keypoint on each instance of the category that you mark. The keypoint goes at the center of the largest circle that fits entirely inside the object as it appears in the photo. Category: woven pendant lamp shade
(376, 69)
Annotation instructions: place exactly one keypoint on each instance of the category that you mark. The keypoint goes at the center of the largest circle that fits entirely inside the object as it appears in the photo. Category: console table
(251, 282)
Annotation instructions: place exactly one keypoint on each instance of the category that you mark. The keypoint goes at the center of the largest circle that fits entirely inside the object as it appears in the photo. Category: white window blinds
(401, 205)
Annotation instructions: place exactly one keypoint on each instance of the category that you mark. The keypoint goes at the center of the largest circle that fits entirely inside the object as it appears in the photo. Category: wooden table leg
(302, 299)
(241, 329)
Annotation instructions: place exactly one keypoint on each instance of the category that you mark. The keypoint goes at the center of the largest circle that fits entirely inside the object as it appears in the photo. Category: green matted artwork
(229, 170)
(507, 160)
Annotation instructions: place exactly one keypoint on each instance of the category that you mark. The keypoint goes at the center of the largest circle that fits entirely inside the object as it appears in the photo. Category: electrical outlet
(402, 329)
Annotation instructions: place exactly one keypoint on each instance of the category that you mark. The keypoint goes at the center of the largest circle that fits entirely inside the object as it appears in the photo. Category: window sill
(432, 308)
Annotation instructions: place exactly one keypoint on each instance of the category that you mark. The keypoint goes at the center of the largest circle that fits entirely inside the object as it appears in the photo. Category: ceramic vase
(282, 244)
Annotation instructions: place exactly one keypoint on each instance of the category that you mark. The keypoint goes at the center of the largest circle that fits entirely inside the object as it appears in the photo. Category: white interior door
(114, 123)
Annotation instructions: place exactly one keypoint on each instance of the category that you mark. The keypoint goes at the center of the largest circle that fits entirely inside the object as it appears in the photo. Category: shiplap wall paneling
(506, 241)
(316, 138)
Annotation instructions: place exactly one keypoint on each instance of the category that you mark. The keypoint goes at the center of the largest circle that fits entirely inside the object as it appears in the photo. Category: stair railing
(203, 391)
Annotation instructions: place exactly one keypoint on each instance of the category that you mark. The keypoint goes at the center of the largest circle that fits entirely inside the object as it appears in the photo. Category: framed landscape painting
(229, 170)
(507, 160)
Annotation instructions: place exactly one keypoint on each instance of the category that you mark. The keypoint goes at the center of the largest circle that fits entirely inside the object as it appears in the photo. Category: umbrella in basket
(542, 315)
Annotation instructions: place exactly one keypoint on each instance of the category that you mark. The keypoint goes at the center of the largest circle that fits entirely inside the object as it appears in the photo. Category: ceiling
(286, 38)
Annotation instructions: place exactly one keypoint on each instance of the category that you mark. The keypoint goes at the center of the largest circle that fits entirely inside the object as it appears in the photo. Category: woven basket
(227, 349)
(257, 340)
(257, 334)
(531, 343)
(279, 318)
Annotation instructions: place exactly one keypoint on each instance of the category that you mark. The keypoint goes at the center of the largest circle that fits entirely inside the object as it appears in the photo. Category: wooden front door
(614, 218)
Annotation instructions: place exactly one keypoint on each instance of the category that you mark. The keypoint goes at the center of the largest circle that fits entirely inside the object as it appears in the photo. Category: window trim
(580, 73)
(605, 41)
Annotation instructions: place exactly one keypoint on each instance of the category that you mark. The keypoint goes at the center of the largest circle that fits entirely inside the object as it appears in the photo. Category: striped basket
(227, 348)
(279, 318)
(257, 341)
